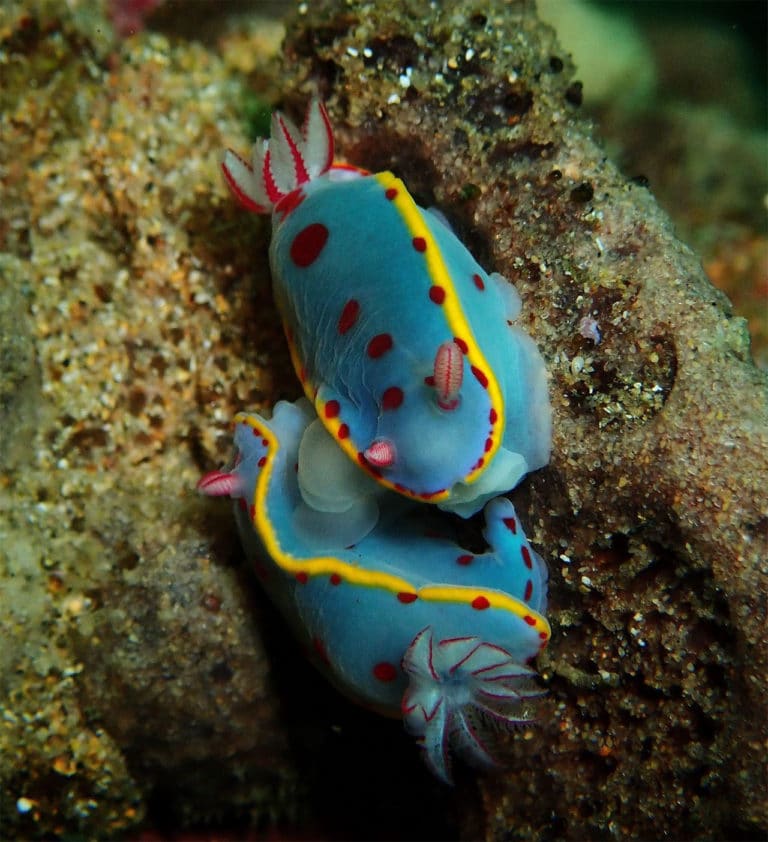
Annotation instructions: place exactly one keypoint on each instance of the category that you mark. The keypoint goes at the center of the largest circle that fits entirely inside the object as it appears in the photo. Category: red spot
(430, 381)
(308, 244)
(391, 193)
(528, 590)
(262, 462)
(348, 316)
(392, 398)
(437, 294)
(302, 577)
(265, 442)
(407, 598)
(420, 244)
(526, 557)
(480, 603)
(543, 635)
(478, 281)
(380, 344)
(481, 378)
(530, 620)
(255, 431)
(479, 464)
(319, 647)
(335, 579)
(252, 512)
(488, 444)
(493, 416)
(332, 409)
(465, 559)
(511, 524)
(343, 432)
(289, 203)
(385, 671)
(462, 344)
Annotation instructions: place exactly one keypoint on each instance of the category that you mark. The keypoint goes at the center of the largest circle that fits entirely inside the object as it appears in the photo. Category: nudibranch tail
(448, 375)
(459, 690)
(283, 163)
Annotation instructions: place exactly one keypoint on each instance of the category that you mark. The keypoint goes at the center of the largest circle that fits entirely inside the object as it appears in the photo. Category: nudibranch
(406, 621)
(402, 342)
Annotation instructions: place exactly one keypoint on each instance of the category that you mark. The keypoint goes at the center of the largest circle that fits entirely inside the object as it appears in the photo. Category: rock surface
(142, 671)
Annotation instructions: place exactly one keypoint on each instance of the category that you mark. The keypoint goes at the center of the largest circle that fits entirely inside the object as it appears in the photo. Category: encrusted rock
(653, 511)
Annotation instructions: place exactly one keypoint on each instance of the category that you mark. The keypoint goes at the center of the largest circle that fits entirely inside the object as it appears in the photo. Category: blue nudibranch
(402, 342)
(406, 622)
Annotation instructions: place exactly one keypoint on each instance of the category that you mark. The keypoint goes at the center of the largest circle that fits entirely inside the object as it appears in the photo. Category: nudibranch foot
(507, 470)
(460, 691)
(339, 499)
(513, 304)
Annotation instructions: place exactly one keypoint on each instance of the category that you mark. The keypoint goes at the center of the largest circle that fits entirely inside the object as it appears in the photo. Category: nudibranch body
(402, 342)
(406, 621)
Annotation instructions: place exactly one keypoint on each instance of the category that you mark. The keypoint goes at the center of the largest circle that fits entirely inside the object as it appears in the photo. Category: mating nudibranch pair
(422, 391)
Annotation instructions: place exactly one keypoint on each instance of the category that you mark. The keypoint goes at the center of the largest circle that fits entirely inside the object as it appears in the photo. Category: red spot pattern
(493, 416)
(530, 620)
(430, 380)
(511, 524)
(462, 344)
(392, 398)
(379, 345)
(262, 462)
(480, 375)
(526, 557)
(488, 444)
(343, 432)
(385, 671)
(302, 577)
(436, 294)
(478, 281)
(543, 635)
(332, 409)
(308, 244)
(335, 579)
(348, 316)
(407, 598)
(480, 603)
(465, 559)
(391, 193)
(528, 590)
(420, 244)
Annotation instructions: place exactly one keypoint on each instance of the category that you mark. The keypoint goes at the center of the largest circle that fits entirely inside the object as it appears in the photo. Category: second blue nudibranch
(406, 621)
